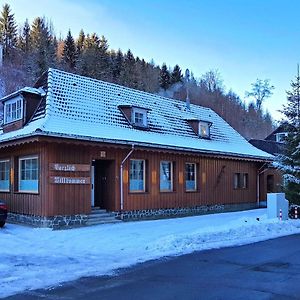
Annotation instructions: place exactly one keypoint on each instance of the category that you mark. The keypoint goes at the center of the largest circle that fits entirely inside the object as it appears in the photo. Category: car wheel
(2, 223)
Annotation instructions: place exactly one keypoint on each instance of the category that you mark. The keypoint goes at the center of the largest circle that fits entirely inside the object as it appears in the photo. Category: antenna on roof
(187, 83)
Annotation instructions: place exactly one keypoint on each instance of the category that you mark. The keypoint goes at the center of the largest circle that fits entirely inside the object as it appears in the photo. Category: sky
(242, 39)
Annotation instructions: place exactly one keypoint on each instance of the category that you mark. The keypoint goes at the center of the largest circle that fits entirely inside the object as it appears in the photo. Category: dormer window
(139, 117)
(280, 137)
(13, 110)
(204, 129)
(201, 128)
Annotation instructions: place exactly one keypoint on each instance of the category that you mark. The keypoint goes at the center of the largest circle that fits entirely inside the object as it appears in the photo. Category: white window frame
(139, 111)
(207, 127)
(195, 168)
(8, 112)
(280, 137)
(171, 176)
(144, 176)
(20, 174)
(6, 161)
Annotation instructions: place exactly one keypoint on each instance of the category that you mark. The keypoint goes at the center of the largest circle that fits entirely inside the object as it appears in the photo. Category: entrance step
(101, 216)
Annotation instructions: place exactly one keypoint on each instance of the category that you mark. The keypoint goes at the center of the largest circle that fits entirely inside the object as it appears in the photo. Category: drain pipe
(121, 177)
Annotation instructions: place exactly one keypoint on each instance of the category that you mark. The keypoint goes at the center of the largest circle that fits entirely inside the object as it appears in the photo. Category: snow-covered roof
(88, 109)
(24, 90)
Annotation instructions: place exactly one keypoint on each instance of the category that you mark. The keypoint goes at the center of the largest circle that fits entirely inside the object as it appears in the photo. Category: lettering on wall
(69, 167)
(69, 180)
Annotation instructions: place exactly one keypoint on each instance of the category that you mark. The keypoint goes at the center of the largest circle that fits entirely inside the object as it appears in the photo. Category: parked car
(294, 212)
(3, 214)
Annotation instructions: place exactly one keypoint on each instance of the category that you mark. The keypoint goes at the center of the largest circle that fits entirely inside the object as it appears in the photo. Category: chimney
(1, 55)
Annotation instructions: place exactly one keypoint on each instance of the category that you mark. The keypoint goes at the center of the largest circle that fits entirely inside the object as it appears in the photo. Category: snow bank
(34, 258)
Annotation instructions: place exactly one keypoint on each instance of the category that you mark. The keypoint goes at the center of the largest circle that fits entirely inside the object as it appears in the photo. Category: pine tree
(44, 46)
(8, 30)
(24, 38)
(164, 79)
(117, 65)
(128, 76)
(289, 162)
(176, 75)
(80, 42)
(69, 52)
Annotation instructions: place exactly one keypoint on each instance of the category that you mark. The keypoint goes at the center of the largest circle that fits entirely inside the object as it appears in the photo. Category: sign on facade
(69, 167)
(69, 180)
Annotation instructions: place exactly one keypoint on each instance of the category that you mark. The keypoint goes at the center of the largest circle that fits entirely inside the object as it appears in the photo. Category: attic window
(281, 136)
(13, 110)
(204, 129)
(139, 117)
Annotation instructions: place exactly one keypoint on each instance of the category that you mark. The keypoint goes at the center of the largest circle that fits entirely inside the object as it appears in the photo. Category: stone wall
(182, 211)
(57, 222)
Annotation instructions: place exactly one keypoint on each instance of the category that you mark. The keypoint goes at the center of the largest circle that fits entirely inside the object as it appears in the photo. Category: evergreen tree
(69, 52)
(43, 46)
(176, 75)
(80, 42)
(289, 162)
(164, 79)
(128, 76)
(24, 38)
(117, 65)
(8, 30)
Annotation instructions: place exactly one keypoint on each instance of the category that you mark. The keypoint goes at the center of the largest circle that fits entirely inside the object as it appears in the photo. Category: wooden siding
(214, 179)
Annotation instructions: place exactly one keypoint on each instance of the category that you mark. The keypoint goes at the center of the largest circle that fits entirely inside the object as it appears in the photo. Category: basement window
(13, 110)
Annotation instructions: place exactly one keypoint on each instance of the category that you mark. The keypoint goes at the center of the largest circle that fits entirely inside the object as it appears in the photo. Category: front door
(103, 183)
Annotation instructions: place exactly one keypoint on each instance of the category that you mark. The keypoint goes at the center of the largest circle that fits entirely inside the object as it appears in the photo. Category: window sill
(167, 192)
(191, 191)
(27, 192)
(4, 191)
(138, 192)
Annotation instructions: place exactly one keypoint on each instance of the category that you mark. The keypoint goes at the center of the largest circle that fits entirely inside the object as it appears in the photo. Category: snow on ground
(34, 258)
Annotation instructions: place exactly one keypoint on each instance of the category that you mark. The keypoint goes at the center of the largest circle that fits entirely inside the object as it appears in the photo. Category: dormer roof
(88, 109)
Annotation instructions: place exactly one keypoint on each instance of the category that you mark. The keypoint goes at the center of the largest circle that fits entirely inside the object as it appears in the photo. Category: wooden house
(72, 143)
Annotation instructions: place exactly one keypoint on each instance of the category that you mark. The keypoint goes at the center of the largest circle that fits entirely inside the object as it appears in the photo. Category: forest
(30, 49)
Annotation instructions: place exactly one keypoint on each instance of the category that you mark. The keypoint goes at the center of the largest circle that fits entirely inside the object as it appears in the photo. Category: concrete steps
(101, 216)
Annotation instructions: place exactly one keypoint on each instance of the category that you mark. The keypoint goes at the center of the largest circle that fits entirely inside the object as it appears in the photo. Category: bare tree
(261, 90)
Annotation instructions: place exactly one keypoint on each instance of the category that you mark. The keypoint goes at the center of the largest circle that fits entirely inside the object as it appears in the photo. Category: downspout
(121, 177)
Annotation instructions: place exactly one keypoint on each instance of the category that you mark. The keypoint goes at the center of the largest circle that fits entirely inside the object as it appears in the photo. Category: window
(240, 181)
(137, 175)
(13, 110)
(28, 174)
(204, 129)
(166, 176)
(190, 177)
(139, 117)
(280, 137)
(4, 175)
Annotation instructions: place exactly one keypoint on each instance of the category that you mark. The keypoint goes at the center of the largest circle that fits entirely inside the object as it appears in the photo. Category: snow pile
(38, 258)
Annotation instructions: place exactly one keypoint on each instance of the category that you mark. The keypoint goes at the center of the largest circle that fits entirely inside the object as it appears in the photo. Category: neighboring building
(72, 143)
(274, 144)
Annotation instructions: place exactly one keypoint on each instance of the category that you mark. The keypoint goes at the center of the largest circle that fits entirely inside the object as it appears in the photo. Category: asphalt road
(265, 270)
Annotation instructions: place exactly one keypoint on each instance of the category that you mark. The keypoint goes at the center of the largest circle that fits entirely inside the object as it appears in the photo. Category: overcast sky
(243, 39)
